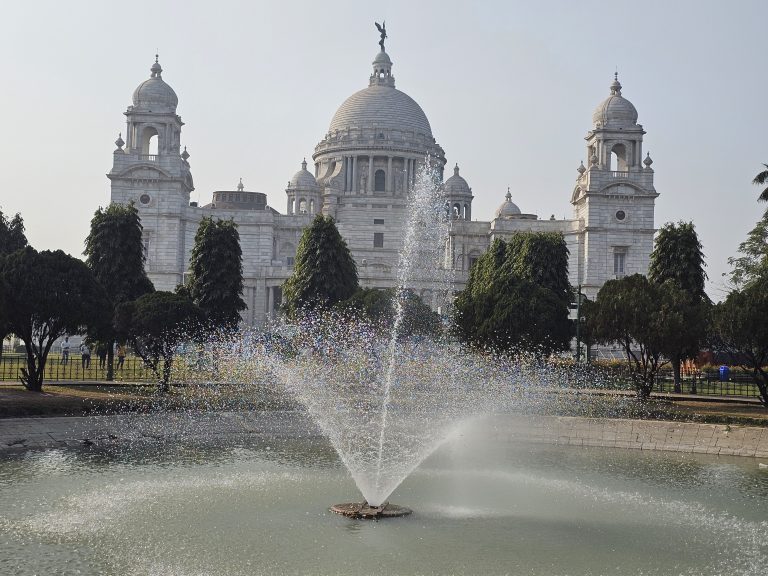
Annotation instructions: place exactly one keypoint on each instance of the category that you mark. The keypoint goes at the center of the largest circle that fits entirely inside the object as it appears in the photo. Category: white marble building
(364, 167)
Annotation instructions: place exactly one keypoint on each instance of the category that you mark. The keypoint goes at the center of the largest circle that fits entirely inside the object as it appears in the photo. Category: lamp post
(579, 319)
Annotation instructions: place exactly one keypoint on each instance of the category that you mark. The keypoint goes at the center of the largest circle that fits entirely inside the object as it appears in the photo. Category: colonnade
(352, 176)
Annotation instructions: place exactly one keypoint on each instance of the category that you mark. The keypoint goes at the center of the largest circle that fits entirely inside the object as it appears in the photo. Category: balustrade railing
(148, 157)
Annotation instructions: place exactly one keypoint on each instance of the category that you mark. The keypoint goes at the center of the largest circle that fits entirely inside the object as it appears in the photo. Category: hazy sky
(509, 89)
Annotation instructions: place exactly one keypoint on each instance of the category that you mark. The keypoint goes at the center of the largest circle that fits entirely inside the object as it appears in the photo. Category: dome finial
(456, 169)
(509, 194)
(120, 142)
(240, 186)
(616, 85)
(156, 69)
(383, 31)
(304, 164)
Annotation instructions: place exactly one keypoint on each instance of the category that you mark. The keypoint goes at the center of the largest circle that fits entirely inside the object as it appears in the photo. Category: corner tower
(150, 170)
(614, 197)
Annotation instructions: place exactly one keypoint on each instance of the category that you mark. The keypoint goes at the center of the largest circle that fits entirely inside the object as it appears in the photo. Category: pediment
(144, 172)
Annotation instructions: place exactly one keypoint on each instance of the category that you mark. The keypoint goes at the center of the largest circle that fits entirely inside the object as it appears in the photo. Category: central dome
(381, 105)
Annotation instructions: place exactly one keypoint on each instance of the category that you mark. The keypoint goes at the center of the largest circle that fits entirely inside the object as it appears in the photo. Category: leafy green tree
(740, 328)
(114, 252)
(677, 259)
(502, 311)
(324, 271)
(48, 294)
(216, 265)
(12, 236)
(761, 180)
(155, 325)
(753, 262)
(644, 319)
(379, 307)
(541, 258)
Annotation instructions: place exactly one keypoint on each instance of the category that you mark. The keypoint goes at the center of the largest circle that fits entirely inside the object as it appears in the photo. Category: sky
(509, 89)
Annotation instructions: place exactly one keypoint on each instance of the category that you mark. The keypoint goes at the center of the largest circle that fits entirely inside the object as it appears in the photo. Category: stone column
(354, 174)
(407, 167)
(370, 174)
(390, 180)
(270, 301)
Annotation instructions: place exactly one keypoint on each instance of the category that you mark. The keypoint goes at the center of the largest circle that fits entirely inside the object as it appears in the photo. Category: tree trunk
(676, 373)
(167, 361)
(32, 377)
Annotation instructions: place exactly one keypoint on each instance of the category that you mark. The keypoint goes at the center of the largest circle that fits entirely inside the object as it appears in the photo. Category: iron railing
(132, 370)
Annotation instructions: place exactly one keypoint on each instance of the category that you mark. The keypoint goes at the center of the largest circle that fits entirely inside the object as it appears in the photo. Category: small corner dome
(615, 111)
(456, 185)
(508, 209)
(303, 178)
(154, 94)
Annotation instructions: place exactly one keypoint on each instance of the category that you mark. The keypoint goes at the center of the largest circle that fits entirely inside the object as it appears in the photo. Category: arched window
(456, 211)
(302, 206)
(149, 141)
(619, 158)
(311, 206)
(467, 214)
(379, 181)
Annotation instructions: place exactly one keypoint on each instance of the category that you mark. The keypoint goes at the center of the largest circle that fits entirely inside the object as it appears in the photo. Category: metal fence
(133, 369)
(709, 383)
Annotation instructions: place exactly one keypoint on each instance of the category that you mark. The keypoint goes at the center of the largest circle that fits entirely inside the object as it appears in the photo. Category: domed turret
(303, 179)
(154, 95)
(458, 196)
(615, 111)
(508, 209)
(303, 192)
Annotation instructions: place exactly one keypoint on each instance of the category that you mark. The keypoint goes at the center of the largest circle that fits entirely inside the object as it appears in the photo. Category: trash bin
(724, 372)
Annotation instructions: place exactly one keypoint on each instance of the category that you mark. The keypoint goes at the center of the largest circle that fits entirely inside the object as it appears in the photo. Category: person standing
(101, 351)
(120, 356)
(85, 355)
(65, 351)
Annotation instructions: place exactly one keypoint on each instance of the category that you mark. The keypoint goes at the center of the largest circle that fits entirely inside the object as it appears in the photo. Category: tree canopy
(216, 266)
(324, 271)
(741, 330)
(761, 180)
(677, 261)
(380, 307)
(12, 236)
(114, 252)
(503, 307)
(155, 325)
(48, 294)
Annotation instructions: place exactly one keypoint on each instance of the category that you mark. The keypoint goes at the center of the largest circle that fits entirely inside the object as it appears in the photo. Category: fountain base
(365, 511)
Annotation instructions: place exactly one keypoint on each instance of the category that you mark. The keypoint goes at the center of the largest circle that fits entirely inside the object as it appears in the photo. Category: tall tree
(48, 294)
(155, 325)
(324, 272)
(643, 318)
(678, 260)
(740, 328)
(541, 258)
(753, 262)
(505, 311)
(12, 236)
(114, 252)
(216, 265)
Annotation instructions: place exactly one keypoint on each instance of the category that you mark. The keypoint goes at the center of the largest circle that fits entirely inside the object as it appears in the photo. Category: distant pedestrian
(65, 351)
(101, 350)
(120, 356)
(85, 355)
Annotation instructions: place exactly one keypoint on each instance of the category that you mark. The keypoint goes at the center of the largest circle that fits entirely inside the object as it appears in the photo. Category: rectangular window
(378, 239)
(145, 246)
(378, 220)
(619, 260)
(289, 261)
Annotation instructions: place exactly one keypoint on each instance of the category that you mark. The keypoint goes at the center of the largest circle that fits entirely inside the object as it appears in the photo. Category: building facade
(363, 170)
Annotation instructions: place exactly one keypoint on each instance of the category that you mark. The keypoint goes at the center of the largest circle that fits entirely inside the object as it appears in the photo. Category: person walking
(101, 351)
(120, 356)
(65, 351)
(85, 355)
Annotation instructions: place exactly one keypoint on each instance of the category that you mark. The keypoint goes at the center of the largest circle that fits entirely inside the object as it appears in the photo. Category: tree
(48, 294)
(644, 319)
(741, 330)
(760, 180)
(216, 264)
(677, 260)
(12, 236)
(541, 258)
(502, 311)
(753, 262)
(115, 254)
(324, 271)
(379, 307)
(155, 325)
